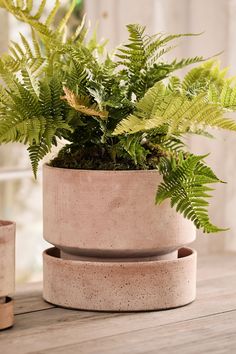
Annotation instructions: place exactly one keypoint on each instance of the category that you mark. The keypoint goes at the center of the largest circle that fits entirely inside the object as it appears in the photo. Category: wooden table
(206, 326)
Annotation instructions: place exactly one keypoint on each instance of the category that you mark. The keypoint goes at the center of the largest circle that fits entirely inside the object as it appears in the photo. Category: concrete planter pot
(103, 221)
(7, 272)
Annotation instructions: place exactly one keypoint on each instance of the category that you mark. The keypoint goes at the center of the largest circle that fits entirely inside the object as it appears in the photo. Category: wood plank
(30, 303)
(214, 334)
(55, 327)
(28, 298)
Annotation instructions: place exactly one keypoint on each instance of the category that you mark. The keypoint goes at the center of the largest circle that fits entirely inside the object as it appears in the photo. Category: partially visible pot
(7, 272)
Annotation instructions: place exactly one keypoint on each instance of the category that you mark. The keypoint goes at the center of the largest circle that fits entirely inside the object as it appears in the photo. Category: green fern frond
(199, 79)
(177, 111)
(132, 144)
(186, 186)
(5, 98)
(29, 81)
(29, 5)
(27, 47)
(80, 32)
(8, 77)
(52, 13)
(166, 146)
(225, 96)
(23, 56)
(56, 89)
(76, 76)
(24, 14)
(37, 153)
(40, 11)
(148, 48)
(176, 65)
(36, 44)
(45, 99)
(141, 55)
(67, 16)
(28, 101)
(174, 84)
(38, 149)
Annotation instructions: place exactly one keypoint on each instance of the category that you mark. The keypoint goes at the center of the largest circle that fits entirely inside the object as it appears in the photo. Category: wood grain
(194, 336)
(29, 299)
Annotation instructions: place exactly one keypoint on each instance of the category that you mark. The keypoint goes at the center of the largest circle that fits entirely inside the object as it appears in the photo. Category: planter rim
(74, 170)
(52, 252)
(6, 223)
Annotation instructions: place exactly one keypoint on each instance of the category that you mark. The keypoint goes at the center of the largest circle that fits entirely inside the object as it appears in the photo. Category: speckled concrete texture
(110, 214)
(7, 258)
(7, 272)
(120, 286)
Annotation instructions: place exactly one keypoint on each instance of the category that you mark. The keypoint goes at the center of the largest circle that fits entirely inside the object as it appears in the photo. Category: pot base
(103, 285)
(6, 314)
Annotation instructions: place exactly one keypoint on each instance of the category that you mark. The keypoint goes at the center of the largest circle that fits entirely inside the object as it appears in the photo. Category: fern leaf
(176, 111)
(132, 144)
(40, 9)
(186, 186)
(81, 104)
(36, 45)
(8, 77)
(141, 56)
(19, 3)
(56, 102)
(5, 97)
(225, 96)
(28, 101)
(67, 16)
(201, 78)
(45, 99)
(27, 46)
(18, 49)
(80, 31)
(52, 13)
(176, 65)
(28, 130)
(37, 153)
(29, 81)
(29, 5)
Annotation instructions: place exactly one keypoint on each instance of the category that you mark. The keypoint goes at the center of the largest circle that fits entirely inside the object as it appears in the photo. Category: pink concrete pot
(7, 272)
(110, 235)
(110, 214)
(102, 285)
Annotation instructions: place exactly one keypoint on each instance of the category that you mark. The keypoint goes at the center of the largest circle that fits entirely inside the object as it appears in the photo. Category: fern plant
(124, 111)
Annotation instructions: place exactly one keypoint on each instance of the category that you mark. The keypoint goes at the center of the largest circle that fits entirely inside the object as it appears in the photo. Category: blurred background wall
(20, 195)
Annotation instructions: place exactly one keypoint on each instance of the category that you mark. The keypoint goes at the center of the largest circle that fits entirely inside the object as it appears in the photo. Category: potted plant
(124, 118)
(7, 273)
